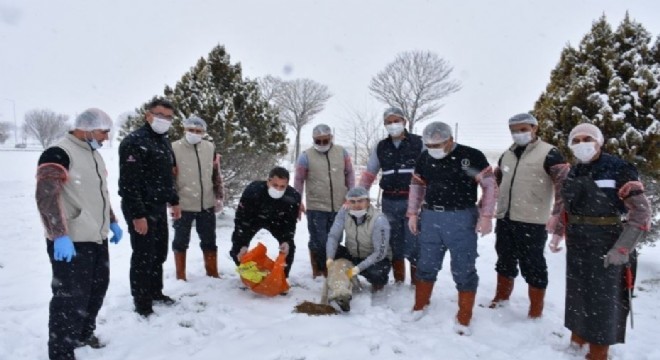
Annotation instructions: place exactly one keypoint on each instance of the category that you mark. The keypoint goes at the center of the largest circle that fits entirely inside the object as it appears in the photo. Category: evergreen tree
(611, 80)
(245, 129)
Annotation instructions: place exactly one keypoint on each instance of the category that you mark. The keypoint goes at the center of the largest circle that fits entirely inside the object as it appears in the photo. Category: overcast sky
(116, 54)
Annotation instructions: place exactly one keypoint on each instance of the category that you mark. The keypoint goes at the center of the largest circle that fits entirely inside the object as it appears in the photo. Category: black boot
(164, 299)
(143, 306)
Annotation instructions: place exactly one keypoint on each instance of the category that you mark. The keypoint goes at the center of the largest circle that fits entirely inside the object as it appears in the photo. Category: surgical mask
(160, 125)
(522, 138)
(358, 213)
(394, 129)
(274, 193)
(93, 143)
(322, 148)
(437, 153)
(584, 151)
(193, 138)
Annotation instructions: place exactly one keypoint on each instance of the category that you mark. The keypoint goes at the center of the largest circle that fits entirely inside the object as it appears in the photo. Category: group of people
(430, 205)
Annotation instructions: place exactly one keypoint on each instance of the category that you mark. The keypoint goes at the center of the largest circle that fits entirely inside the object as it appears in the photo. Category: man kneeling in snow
(367, 239)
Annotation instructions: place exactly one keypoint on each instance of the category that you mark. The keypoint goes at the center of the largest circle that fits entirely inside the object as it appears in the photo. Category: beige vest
(325, 186)
(358, 237)
(194, 179)
(85, 198)
(530, 189)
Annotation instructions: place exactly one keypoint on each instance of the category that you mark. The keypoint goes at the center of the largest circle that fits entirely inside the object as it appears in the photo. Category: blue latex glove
(114, 227)
(63, 248)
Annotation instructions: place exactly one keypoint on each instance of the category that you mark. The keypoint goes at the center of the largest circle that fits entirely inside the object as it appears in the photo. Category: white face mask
(437, 153)
(358, 213)
(394, 129)
(322, 148)
(160, 125)
(193, 138)
(584, 151)
(274, 193)
(522, 139)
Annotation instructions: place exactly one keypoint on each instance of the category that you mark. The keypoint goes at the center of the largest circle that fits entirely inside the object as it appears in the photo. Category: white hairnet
(357, 192)
(436, 132)
(194, 122)
(321, 130)
(523, 119)
(586, 129)
(393, 111)
(93, 119)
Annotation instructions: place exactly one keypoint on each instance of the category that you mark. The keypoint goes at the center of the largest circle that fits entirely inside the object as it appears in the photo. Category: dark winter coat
(146, 176)
(258, 210)
(596, 297)
(398, 164)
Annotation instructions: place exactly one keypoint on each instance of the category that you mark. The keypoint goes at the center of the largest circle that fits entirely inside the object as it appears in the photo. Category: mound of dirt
(311, 308)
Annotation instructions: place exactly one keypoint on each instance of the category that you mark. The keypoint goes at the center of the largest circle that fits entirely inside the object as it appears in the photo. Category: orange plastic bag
(275, 282)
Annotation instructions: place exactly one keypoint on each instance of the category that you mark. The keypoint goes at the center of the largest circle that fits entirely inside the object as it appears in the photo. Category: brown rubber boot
(577, 341)
(503, 290)
(465, 306)
(399, 271)
(536, 297)
(413, 274)
(180, 265)
(211, 263)
(315, 269)
(597, 352)
(423, 292)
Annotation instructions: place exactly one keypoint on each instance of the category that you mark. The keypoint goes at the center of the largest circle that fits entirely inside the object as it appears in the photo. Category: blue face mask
(93, 144)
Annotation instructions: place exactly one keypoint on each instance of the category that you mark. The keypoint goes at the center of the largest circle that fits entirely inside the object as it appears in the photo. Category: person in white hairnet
(199, 185)
(444, 186)
(396, 156)
(606, 215)
(325, 171)
(529, 176)
(367, 241)
(73, 201)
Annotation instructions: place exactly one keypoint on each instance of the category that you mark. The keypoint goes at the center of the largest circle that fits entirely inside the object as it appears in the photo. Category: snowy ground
(215, 319)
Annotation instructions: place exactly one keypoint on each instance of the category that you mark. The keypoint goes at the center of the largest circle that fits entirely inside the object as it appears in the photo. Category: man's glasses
(321, 141)
(162, 116)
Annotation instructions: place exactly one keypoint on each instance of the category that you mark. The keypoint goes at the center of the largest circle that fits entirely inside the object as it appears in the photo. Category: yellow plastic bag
(251, 272)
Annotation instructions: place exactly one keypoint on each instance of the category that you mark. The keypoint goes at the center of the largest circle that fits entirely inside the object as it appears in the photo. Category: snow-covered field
(214, 319)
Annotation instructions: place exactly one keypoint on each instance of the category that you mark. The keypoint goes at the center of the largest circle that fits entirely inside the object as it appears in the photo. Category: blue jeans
(453, 231)
(318, 225)
(402, 241)
(205, 226)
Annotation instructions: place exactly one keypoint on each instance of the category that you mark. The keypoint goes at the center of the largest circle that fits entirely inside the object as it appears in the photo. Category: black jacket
(146, 178)
(258, 209)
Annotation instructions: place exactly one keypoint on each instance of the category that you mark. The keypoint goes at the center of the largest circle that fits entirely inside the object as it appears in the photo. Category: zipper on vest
(102, 197)
(332, 195)
(201, 184)
(513, 177)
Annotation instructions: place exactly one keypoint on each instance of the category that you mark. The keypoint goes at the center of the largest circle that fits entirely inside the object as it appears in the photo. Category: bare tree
(416, 82)
(269, 87)
(297, 101)
(46, 126)
(366, 130)
(5, 128)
